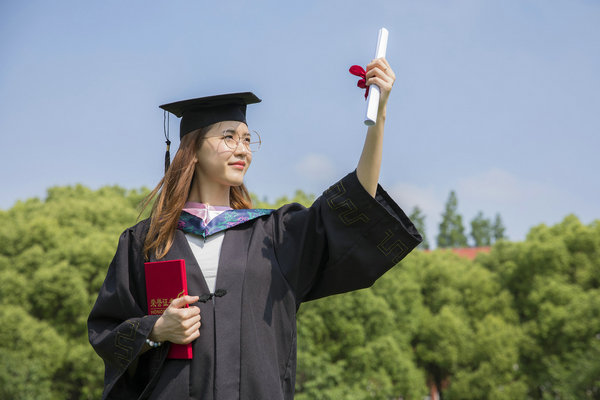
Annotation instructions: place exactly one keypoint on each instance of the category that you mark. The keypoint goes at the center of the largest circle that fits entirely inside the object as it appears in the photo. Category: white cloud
(408, 196)
(428, 199)
(316, 171)
(522, 203)
(499, 187)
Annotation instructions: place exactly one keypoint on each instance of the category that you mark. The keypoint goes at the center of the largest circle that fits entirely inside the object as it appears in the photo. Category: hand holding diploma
(373, 94)
(178, 324)
(379, 74)
(373, 87)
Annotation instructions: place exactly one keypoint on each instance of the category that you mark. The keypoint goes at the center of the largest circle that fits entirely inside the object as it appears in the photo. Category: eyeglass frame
(238, 141)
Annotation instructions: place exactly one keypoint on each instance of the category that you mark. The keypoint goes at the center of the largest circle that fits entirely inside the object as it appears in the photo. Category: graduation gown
(268, 266)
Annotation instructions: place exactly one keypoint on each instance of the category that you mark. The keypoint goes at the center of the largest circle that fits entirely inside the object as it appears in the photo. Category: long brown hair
(172, 192)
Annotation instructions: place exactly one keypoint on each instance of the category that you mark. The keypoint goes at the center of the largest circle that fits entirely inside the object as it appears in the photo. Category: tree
(498, 228)
(553, 280)
(53, 257)
(519, 322)
(300, 197)
(463, 305)
(32, 354)
(452, 231)
(418, 218)
(481, 230)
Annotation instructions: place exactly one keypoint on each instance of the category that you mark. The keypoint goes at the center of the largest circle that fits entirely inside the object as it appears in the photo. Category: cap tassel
(167, 156)
(168, 142)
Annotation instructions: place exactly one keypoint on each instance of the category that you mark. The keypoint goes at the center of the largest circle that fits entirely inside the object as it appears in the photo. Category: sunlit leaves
(522, 322)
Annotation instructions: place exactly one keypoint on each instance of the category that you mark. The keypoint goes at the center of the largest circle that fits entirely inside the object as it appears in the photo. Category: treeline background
(522, 322)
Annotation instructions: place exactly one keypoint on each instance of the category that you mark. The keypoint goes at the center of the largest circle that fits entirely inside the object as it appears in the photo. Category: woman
(254, 267)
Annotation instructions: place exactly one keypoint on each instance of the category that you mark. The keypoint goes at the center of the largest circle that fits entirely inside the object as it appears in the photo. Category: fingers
(189, 312)
(180, 324)
(381, 62)
(188, 323)
(381, 68)
(191, 331)
(380, 73)
(195, 334)
(181, 302)
(188, 334)
(384, 85)
(182, 314)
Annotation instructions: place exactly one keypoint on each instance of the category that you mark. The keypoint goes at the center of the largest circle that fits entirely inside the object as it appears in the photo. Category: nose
(240, 148)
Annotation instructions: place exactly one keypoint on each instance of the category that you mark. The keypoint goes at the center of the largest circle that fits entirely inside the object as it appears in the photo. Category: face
(218, 163)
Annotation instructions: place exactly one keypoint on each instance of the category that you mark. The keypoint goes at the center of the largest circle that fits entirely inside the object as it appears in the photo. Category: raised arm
(379, 73)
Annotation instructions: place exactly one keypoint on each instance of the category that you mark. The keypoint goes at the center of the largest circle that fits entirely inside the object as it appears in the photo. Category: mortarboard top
(201, 112)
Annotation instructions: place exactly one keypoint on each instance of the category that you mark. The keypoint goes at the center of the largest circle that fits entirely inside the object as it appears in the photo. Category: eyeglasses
(250, 140)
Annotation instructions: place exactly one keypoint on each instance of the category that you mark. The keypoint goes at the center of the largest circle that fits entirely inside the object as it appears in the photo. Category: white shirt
(206, 251)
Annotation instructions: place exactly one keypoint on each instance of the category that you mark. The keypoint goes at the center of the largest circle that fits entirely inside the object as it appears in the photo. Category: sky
(498, 101)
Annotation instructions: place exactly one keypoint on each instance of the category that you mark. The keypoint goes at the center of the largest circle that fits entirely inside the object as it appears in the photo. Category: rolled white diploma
(374, 93)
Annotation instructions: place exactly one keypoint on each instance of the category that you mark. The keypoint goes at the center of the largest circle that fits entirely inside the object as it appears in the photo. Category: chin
(235, 182)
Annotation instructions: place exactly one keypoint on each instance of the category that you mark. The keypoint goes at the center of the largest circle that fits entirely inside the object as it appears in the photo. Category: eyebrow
(233, 131)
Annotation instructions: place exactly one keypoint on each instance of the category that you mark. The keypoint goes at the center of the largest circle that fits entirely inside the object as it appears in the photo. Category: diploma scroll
(374, 93)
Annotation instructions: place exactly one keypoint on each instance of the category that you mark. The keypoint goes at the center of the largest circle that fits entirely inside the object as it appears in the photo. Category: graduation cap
(204, 111)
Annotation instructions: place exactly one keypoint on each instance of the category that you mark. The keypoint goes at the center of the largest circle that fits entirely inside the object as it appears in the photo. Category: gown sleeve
(344, 241)
(118, 325)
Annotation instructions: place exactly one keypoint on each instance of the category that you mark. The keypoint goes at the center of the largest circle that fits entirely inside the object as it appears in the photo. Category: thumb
(181, 302)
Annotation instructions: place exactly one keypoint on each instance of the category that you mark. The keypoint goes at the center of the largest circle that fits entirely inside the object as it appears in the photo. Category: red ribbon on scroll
(362, 83)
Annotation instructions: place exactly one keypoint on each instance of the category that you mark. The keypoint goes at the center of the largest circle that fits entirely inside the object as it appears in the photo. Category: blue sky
(499, 101)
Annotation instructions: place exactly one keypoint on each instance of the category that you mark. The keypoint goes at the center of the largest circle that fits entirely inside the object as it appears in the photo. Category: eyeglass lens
(251, 141)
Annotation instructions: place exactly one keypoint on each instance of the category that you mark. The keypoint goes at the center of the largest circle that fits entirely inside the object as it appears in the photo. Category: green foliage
(452, 230)
(418, 219)
(498, 229)
(490, 369)
(53, 258)
(14, 288)
(553, 278)
(484, 232)
(299, 197)
(481, 230)
(355, 346)
(32, 353)
(58, 297)
(522, 322)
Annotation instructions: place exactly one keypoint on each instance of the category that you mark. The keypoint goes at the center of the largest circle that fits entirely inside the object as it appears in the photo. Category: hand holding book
(167, 296)
(178, 324)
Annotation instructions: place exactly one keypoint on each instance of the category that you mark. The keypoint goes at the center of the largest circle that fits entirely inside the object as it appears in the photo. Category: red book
(165, 281)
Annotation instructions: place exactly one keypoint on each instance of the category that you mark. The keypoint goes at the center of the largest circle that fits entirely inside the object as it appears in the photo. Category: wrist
(381, 113)
(155, 334)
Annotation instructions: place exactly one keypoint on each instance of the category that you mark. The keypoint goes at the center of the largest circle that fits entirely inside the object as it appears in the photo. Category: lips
(238, 164)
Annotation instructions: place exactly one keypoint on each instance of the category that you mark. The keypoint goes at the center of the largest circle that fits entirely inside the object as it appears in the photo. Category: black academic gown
(268, 266)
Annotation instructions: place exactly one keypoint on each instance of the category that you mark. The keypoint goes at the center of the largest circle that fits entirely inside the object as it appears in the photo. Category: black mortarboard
(204, 111)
